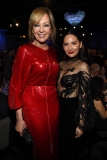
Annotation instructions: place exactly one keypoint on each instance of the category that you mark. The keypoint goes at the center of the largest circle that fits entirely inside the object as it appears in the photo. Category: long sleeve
(86, 114)
(20, 73)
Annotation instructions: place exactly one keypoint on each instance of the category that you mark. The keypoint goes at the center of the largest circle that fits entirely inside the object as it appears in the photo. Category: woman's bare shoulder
(98, 104)
(61, 63)
(83, 66)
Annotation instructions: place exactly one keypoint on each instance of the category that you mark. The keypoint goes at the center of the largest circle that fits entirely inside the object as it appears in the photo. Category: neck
(41, 45)
(72, 60)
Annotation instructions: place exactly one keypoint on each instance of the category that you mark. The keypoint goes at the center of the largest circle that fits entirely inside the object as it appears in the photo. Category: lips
(71, 52)
(41, 35)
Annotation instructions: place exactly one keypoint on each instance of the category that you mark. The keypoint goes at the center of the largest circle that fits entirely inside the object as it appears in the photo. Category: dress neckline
(39, 47)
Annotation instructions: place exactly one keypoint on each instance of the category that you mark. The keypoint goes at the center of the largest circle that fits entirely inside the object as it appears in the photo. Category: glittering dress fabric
(33, 86)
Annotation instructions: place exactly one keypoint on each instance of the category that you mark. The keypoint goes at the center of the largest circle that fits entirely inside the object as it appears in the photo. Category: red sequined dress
(33, 87)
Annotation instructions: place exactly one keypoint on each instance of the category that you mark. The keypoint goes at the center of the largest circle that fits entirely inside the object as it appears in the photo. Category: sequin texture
(33, 86)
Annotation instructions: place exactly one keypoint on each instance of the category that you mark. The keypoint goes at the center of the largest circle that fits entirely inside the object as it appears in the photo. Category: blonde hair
(36, 16)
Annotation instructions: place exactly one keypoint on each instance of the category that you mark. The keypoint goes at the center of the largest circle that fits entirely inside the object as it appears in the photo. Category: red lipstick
(71, 52)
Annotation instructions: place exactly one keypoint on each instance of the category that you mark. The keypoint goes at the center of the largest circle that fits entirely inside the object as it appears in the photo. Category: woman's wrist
(19, 116)
(19, 120)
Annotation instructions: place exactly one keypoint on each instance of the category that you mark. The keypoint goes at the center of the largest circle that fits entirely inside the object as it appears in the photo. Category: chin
(71, 56)
(42, 41)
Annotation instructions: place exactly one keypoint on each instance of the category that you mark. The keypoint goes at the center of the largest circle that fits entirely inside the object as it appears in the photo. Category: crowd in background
(95, 57)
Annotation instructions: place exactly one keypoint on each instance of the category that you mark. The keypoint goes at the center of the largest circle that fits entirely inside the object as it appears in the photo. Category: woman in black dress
(73, 87)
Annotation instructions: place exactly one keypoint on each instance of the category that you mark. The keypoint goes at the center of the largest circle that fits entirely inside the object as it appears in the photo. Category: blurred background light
(2, 39)
(74, 18)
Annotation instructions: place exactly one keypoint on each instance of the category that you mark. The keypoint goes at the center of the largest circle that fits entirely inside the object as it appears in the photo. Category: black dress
(70, 107)
(69, 146)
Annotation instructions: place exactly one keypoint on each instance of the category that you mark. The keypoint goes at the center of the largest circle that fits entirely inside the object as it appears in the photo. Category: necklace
(71, 61)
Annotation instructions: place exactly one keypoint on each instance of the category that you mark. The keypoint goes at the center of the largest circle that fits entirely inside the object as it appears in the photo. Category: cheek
(77, 47)
(65, 48)
(34, 30)
(49, 31)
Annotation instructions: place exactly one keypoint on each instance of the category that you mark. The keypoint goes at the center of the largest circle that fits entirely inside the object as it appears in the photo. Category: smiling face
(71, 45)
(42, 29)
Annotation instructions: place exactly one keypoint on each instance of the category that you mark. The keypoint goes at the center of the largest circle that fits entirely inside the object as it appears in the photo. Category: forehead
(44, 19)
(103, 69)
(39, 18)
(70, 37)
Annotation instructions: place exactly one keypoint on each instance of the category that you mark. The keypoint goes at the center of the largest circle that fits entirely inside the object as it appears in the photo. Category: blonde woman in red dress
(32, 90)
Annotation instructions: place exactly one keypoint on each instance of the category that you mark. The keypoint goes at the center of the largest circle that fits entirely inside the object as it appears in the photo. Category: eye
(36, 25)
(65, 44)
(46, 25)
(74, 43)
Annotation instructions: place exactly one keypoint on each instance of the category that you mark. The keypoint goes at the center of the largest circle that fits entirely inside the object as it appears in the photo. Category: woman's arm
(100, 109)
(86, 110)
(83, 91)
(59, 78)
(20, 74)
(20, 123)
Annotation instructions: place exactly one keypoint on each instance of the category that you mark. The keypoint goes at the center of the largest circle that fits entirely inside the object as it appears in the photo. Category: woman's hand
(78, 132)
(20, 125)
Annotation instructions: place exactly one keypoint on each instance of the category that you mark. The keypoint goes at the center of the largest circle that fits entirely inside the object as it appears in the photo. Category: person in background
(102, 74)
(94, 69)
(97, 87)
(92, 55)
(88, 51)
(92, 137)
(99, 56)
(8, 63)
(32, 89)
(73, 88)
(6, 117)
(1, 61)
(4, 110)
(5, 120)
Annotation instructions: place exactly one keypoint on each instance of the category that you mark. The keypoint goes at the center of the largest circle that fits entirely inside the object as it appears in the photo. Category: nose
(70, 47)
(41, 29)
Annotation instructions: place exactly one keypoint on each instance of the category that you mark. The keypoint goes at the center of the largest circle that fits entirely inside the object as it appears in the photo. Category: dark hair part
(76, 33)
(97, 87)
